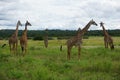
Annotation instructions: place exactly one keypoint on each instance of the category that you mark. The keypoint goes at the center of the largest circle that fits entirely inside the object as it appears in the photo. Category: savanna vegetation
(40, 63)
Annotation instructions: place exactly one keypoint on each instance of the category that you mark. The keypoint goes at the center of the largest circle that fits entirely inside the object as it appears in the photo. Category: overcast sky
(59, 14)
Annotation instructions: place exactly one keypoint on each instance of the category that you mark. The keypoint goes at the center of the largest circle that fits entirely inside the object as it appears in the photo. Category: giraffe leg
(79, 49)
(46, 43)
(16, 46)
(22, 48)
(60, 47)
(13, 49)
(111, 46)
(25, 50)
(106, 44)
(10, 48)
(68, 53)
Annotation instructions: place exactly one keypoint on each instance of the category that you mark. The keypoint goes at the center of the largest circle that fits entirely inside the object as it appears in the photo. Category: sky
(59, 14)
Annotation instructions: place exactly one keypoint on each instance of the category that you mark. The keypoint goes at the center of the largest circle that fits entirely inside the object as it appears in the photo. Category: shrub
(85, 37)
(38, 38)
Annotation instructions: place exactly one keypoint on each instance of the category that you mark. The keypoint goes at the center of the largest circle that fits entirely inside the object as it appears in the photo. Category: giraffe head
(93, 22)
(27, 23)
(101, 23)
(46, 29)
(19, 23)
(79, 29)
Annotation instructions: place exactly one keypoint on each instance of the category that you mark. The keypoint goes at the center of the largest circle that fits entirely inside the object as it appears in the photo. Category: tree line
(5, 34)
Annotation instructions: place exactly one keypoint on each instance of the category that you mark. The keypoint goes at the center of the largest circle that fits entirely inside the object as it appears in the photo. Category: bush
(38, 38)
(85, 37)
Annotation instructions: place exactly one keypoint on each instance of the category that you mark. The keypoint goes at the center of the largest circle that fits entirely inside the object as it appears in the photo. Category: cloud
(60, 14)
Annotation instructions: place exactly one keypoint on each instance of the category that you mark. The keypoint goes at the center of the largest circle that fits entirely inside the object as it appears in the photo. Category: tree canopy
(5, 34)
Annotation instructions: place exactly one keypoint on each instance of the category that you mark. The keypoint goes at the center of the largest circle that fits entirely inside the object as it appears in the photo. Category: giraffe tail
(22, 48)
(112, 47)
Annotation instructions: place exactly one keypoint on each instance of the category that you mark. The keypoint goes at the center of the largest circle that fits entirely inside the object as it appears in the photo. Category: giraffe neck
(82, 32)
(16, 31)
(104, 31)
(46, 33)
(26, 28)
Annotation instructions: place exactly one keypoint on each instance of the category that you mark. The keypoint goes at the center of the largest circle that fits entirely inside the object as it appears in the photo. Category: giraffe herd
(13, 40)
(74, 41)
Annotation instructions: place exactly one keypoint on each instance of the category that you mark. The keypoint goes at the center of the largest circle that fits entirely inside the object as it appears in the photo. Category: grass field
(40, 63)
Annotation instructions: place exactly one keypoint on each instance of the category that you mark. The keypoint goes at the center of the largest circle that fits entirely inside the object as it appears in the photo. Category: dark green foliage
(5, 34)
(85, 37)
(37, 38)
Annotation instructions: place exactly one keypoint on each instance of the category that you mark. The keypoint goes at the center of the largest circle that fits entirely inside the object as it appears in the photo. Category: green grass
(40, 63)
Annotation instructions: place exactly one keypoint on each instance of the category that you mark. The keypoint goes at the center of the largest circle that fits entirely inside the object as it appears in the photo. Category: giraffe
(77, 40)
(13, 40)
(79, 29)
(46, 38)
(107, 38)
(23, 39)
